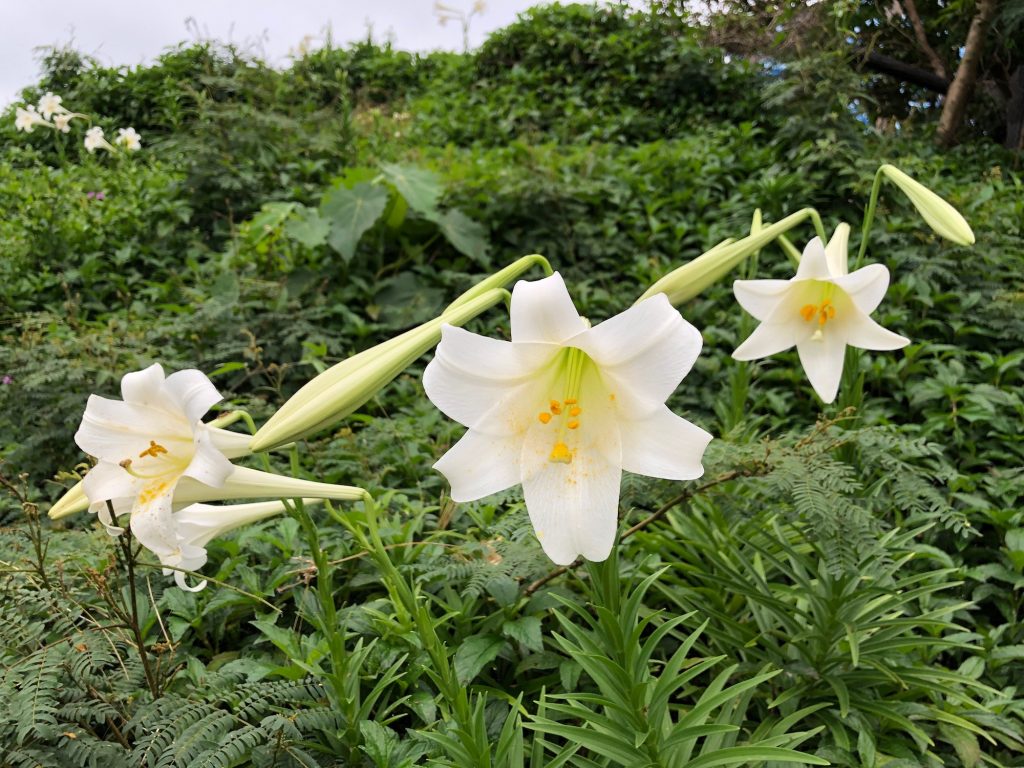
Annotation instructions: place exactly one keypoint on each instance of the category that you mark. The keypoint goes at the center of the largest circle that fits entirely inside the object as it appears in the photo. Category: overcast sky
(133, 31)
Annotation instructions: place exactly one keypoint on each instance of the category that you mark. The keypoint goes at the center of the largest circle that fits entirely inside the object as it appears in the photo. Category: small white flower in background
(25, 119)
(62, 122)
(821, 310)
(198, 524)
(563, 408)
(50, 105)
(150, 441)
(94, 140)
(129, 139)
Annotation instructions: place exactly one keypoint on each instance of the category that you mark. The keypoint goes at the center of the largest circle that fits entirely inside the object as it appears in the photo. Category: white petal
(543, 311)
(822, 359)
(152, 521)
(643, 353)
(209, 466)
(143, 387)
(574, 506)
(179, 579)
(663, 445)
(771, 338)
(760, 297)
(231, 444)
(192, 392)
(865, 333)
(813, 262)
(470, 376)
(114, 430)
(835, 251)
(109, 481)
(866, 287)
(479, 465)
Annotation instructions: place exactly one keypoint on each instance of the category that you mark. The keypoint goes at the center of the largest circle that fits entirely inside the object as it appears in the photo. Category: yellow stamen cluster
(569, 407)
(823, 312)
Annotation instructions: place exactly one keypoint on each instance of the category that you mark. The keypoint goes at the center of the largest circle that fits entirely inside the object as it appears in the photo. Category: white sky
(134, 31)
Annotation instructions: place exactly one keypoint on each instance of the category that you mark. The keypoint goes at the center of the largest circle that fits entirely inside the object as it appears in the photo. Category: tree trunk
(1015, 111)
(962, 87)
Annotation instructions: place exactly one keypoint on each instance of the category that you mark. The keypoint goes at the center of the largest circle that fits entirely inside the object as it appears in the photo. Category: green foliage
(848, 586)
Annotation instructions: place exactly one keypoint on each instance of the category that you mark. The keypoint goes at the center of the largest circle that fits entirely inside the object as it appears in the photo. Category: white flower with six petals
(147, 443)
(821, 310)
(563, 408)
(129, 139)
(50, 104)
(25, 119)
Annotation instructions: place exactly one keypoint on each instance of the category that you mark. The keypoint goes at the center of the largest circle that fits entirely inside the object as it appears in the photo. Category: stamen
(823, 312)
(555, 407)
(573, 424)
(571, 401)
(544, 417)
(575, 410)
(154, 450)
(808, 311)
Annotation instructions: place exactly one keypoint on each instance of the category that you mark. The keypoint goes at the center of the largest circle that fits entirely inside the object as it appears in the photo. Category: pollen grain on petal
(544, 417)
(573, 424)
(560, 454)
(575, 410)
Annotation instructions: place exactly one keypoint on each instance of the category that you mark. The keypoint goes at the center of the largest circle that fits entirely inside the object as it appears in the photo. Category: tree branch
(922, 40)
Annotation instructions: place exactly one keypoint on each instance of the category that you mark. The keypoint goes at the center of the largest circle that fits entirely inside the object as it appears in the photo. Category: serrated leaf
(420, 188)
(350, 212)
(379, 741)
(307, 227)
(474, 654)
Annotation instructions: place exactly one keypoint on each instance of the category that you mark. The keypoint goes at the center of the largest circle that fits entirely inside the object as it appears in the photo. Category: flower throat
(565, 414)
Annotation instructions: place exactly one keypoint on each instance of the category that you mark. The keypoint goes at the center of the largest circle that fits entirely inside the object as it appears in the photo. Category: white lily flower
(25, 119)
(50, 105)
(821, 310)
(129, 139)
(94, 140)
(62, 122)
(198, 524)
(150, 440)
(563, 408)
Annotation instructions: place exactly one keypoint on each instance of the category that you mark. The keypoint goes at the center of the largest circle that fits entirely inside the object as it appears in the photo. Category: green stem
(869, 217)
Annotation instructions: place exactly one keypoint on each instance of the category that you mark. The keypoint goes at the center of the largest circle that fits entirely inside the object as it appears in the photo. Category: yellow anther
(575, 410)
(824, 312)
(555, 407)
(573, 424)
(544, 417)
(571, 401)
(560, 454)
(154, 450)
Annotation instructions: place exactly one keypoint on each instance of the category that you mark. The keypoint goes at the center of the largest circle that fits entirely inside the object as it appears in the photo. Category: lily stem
(125, 542)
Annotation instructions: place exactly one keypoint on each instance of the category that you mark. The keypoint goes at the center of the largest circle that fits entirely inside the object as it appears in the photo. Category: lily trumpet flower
(94, 140)
(821, 310)
(25, 119)
(129, 139)
(50, 104)
(198, 524)
(563, 408)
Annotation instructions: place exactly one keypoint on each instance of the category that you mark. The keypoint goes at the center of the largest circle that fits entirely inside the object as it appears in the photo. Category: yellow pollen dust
(151, 492)
(573, 424)
(560, 454)
(544, 417)
(823, 312)
(154, 450)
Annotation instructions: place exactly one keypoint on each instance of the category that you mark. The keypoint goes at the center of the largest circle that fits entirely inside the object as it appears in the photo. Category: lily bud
(940, 215)
(694, 277)
(343, 388)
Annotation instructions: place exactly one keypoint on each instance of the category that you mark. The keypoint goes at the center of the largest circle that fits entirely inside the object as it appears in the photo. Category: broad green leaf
(350, 213)
(475, 653)
(420, 188)
(307, 227)
(466, 236)
(525, 630)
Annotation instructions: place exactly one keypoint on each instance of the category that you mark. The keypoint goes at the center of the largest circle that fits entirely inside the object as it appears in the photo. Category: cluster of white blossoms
(561, 409)
(51, 113)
